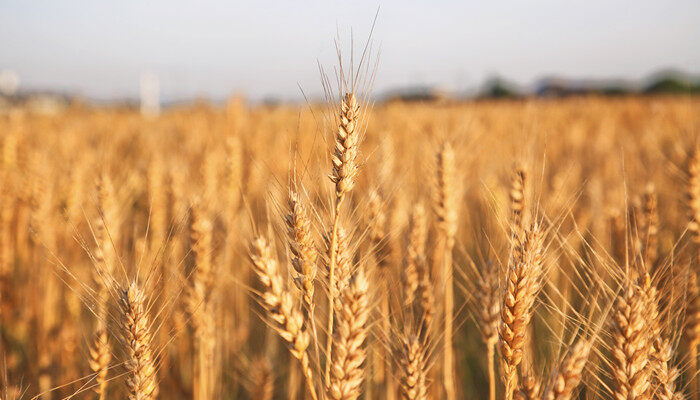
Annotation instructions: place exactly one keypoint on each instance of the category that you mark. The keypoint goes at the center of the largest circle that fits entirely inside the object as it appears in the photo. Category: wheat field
(511, 249)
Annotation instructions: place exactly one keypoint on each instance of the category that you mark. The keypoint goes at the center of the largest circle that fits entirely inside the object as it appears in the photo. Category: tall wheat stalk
(200, 304)
(343, 173)
(104, 256)
(446, 210)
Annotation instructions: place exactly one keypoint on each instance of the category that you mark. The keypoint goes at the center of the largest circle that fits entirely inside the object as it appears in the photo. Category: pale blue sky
(266, 48)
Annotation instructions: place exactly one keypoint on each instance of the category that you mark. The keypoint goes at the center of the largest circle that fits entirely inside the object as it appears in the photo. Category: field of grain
(529, 249)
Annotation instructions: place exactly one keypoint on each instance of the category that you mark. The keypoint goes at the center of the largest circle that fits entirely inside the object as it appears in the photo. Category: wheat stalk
(446, 210)
(104, 256)
(343, 174)
(348, 354)
(200, 303)
(522, 285)
(141, 381)
(279, 304)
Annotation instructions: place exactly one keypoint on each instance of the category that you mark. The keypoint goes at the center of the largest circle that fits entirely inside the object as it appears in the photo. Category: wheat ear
(529, 389)
(414, 369)
(343, 173)
(263, 382)
(487, 316)
(632, 346)
(279, 304)
(301, 244)
(665, 375)
(650, 227)
(142, 381)
(522, 285)
(426, 292)
(568, 375)
(348, 354)
(517, 202)
(415, 253)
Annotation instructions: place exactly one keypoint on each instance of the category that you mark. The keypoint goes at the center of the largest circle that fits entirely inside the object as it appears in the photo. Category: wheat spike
(632, 345)
(664, 374)
(517, 202)
(100, 357)
(348, 354)
(343, 261)
(200, 303)
(413, 374)
(522, 285)
(279, 303)
(426, 293)
(346, 146)
(303, 250)
(415, 253)
(650, 227)
(141, 381)
(568, 375)
(104, 255)
(529, 389)
(488, 308)
(263, 382)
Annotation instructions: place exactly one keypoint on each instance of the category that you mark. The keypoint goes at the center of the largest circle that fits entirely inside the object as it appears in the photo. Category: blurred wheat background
(181, 256)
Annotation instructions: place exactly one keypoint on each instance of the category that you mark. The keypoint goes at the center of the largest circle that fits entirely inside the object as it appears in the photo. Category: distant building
(150, 94)
(9, 82)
